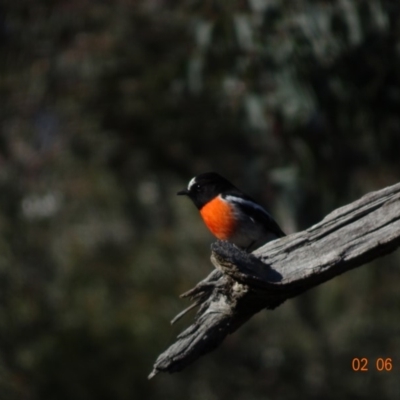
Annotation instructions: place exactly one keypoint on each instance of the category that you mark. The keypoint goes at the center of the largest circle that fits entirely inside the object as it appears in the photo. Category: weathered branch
(243, 284)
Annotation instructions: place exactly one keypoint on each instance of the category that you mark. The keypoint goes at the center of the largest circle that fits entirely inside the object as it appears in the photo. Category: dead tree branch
(243, 284)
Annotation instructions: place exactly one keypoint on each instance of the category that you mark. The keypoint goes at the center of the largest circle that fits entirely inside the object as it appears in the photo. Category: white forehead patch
(191, 183)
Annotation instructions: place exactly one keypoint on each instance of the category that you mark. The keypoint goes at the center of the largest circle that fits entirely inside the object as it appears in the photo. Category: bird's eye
(197, 187)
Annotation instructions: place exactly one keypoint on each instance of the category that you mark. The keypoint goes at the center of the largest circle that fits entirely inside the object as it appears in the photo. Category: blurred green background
(110, 107)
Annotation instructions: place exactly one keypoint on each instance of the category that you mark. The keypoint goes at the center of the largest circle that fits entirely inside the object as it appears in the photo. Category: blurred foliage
(109, 107)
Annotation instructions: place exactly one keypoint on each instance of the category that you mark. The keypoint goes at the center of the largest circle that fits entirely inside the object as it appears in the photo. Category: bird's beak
(183, 192)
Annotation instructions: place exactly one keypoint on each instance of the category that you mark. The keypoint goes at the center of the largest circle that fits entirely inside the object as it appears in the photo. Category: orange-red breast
(229, 213)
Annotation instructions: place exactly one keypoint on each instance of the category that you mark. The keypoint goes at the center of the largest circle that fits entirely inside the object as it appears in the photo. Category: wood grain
(243, 284)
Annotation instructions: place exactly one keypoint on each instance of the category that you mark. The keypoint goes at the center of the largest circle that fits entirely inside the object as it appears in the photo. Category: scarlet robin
(229, 213)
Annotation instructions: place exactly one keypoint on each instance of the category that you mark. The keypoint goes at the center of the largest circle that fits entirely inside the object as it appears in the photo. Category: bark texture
(243, 284)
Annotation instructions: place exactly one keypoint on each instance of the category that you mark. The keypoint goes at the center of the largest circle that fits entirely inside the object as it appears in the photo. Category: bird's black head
(204, 187)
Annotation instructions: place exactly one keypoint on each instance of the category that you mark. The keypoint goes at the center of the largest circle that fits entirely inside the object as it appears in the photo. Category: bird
(229, 213)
